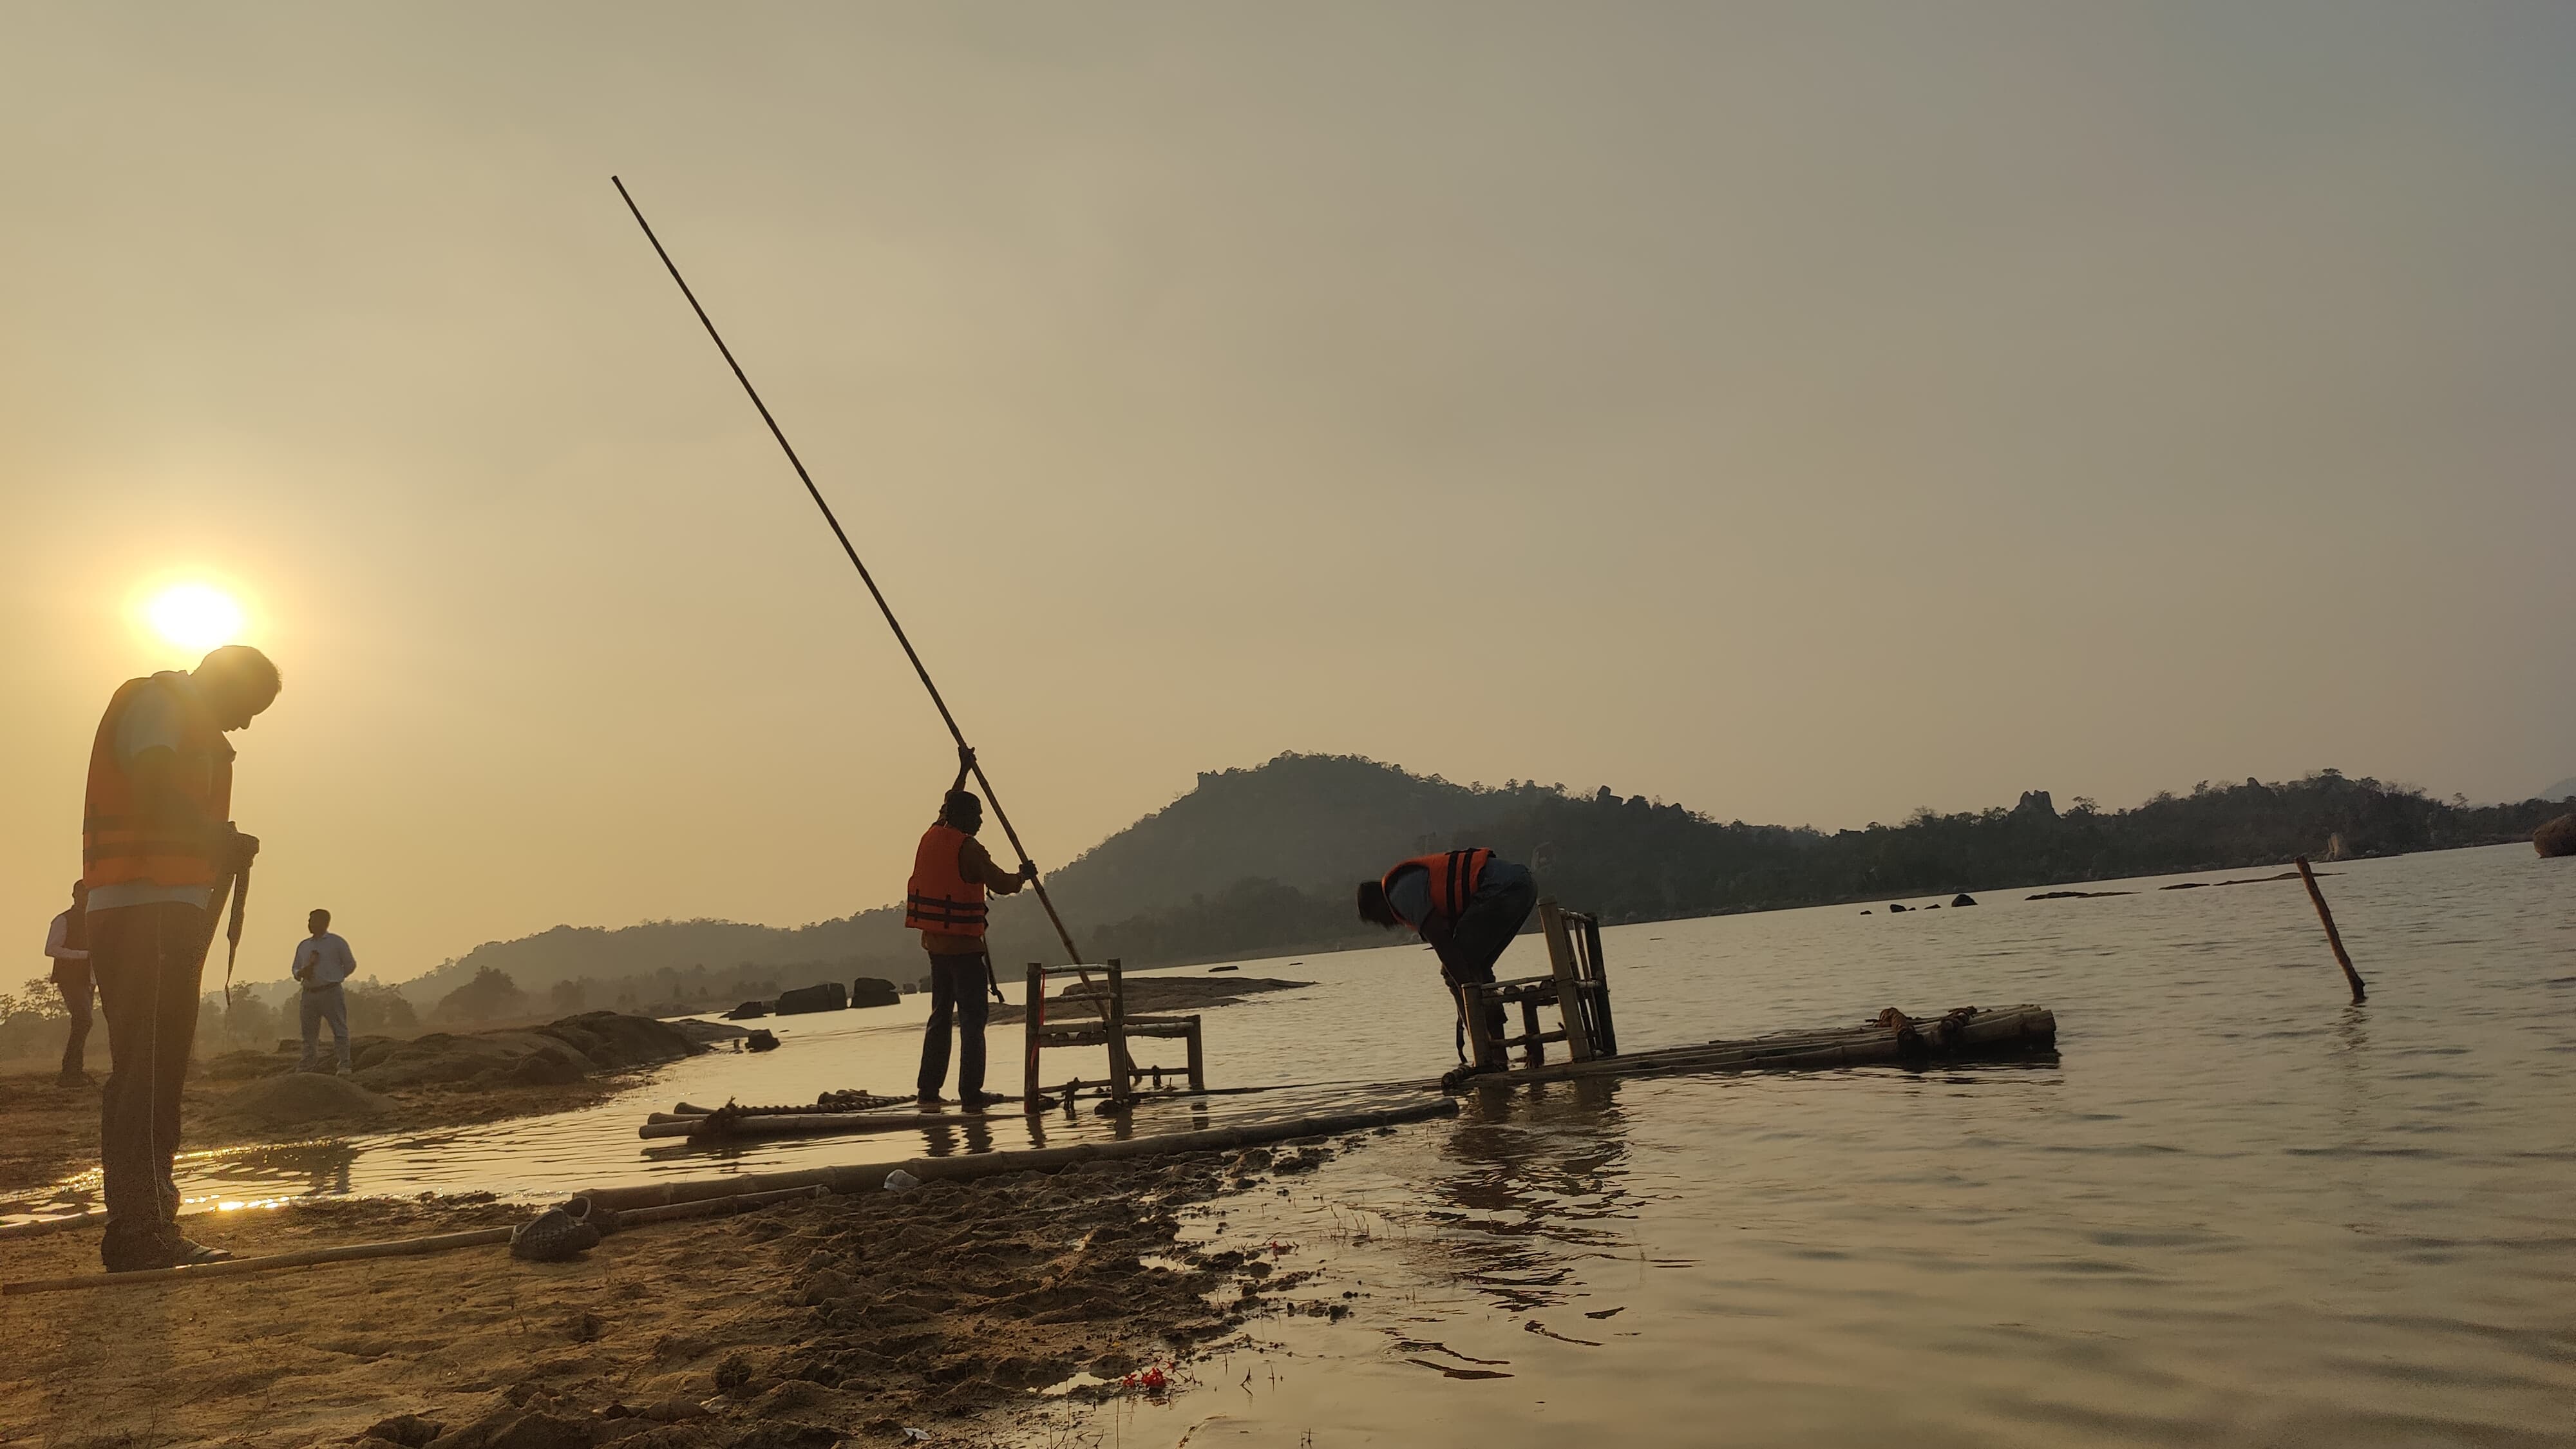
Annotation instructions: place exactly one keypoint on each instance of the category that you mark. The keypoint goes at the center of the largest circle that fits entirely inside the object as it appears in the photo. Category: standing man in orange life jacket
(1466, 905)
(945, 903)
(155, 846)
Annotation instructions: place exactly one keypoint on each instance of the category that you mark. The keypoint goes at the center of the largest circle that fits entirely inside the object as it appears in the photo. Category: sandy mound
(550, 1055)
(300, 1099)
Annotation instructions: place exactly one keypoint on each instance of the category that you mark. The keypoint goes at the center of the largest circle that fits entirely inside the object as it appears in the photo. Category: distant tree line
(1261, 860)
(1632, 859)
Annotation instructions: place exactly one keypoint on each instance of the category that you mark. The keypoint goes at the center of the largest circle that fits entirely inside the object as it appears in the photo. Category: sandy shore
(947, 1307)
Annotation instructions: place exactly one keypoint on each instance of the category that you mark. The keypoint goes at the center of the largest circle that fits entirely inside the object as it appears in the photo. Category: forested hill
(1261, 860)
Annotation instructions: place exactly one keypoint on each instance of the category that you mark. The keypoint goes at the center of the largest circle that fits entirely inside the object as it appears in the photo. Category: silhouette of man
(67, 942)
(322, 962)
(945, 903)
(155, 847)
(1466, 905)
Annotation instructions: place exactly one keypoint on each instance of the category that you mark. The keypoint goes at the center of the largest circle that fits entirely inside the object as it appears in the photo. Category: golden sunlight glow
(194, 616)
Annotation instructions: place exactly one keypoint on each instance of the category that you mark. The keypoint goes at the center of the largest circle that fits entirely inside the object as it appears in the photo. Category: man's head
(80, 893)
(318, 922)
(962, 811)
(237, 682)
(1373, 906)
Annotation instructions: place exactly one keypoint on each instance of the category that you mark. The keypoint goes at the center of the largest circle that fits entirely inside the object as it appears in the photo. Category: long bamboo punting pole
(2334, 937)
(1072, 954)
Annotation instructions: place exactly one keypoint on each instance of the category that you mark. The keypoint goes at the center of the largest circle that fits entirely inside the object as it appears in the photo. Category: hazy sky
(1802, 412)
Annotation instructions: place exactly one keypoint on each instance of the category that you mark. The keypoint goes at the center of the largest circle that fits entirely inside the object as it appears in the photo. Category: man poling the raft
(1466, 905)
(1028, 871)
(944, 901)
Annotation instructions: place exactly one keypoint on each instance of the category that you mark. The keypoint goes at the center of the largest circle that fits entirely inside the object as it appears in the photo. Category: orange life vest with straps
(119, 843)
(940, 897)
(1454, 877)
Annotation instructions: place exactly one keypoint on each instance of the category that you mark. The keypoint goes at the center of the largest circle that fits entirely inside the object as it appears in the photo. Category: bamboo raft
(1576, 985)
(1891, 1039)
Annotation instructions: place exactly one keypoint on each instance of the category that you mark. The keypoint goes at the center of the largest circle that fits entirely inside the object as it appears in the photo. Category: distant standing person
(155, 844)
(1467, 905)
(322, 962)
(68, 944)
(945, 903)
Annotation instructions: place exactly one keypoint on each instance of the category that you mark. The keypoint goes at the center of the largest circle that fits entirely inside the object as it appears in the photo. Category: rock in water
(826, 997)
(1964, 899)
(2558, 837)
(874, 991)
(301, 1099)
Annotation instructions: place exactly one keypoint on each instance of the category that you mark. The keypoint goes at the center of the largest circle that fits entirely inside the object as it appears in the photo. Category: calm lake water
(2237, 1210)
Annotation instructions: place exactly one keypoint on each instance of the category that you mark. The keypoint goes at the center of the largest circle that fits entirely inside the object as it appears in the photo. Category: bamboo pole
(2334, 937)
(1072, 953)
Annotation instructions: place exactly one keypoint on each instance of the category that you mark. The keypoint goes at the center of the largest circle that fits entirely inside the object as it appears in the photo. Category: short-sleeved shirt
(976, 864)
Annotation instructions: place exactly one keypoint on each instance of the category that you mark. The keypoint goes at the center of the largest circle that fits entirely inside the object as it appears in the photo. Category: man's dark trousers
(956, 987)
(148, 960)
(1484, 931)
(72, 979)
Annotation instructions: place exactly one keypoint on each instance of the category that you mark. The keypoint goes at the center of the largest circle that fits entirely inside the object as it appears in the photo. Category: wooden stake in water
(2334, 938)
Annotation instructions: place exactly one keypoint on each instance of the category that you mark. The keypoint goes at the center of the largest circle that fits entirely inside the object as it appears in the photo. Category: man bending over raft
(1467, 905)
(945, 903)
(155, 848)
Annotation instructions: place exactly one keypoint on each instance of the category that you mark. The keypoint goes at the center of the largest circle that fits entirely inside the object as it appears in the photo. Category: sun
(194, 616)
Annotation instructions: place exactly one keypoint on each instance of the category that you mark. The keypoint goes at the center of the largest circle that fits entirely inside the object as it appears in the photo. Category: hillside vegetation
(1261, 860)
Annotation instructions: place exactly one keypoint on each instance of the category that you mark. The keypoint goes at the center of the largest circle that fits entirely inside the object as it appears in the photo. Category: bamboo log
(714, 1206)
(793, 1124)
(870, 1176)
(2019, 1028)
(2334, 937)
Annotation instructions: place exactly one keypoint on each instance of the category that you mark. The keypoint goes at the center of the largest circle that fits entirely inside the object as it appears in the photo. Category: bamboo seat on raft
(1577, 985)
(1109, 1026)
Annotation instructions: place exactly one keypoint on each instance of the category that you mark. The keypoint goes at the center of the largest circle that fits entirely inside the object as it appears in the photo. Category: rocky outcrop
(874, 991)
(829, 996)
(2558, 837)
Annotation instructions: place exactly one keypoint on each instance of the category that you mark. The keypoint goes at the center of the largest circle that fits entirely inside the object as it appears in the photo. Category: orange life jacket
(1454, 877)
(940, 897)
(119, 844)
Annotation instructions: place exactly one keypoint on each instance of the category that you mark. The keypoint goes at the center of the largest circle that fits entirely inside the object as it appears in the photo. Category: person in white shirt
(68, 944)
(322, 962)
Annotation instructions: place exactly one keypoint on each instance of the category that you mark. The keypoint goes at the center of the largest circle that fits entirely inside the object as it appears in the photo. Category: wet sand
(435, 1080)
(947, 1307)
